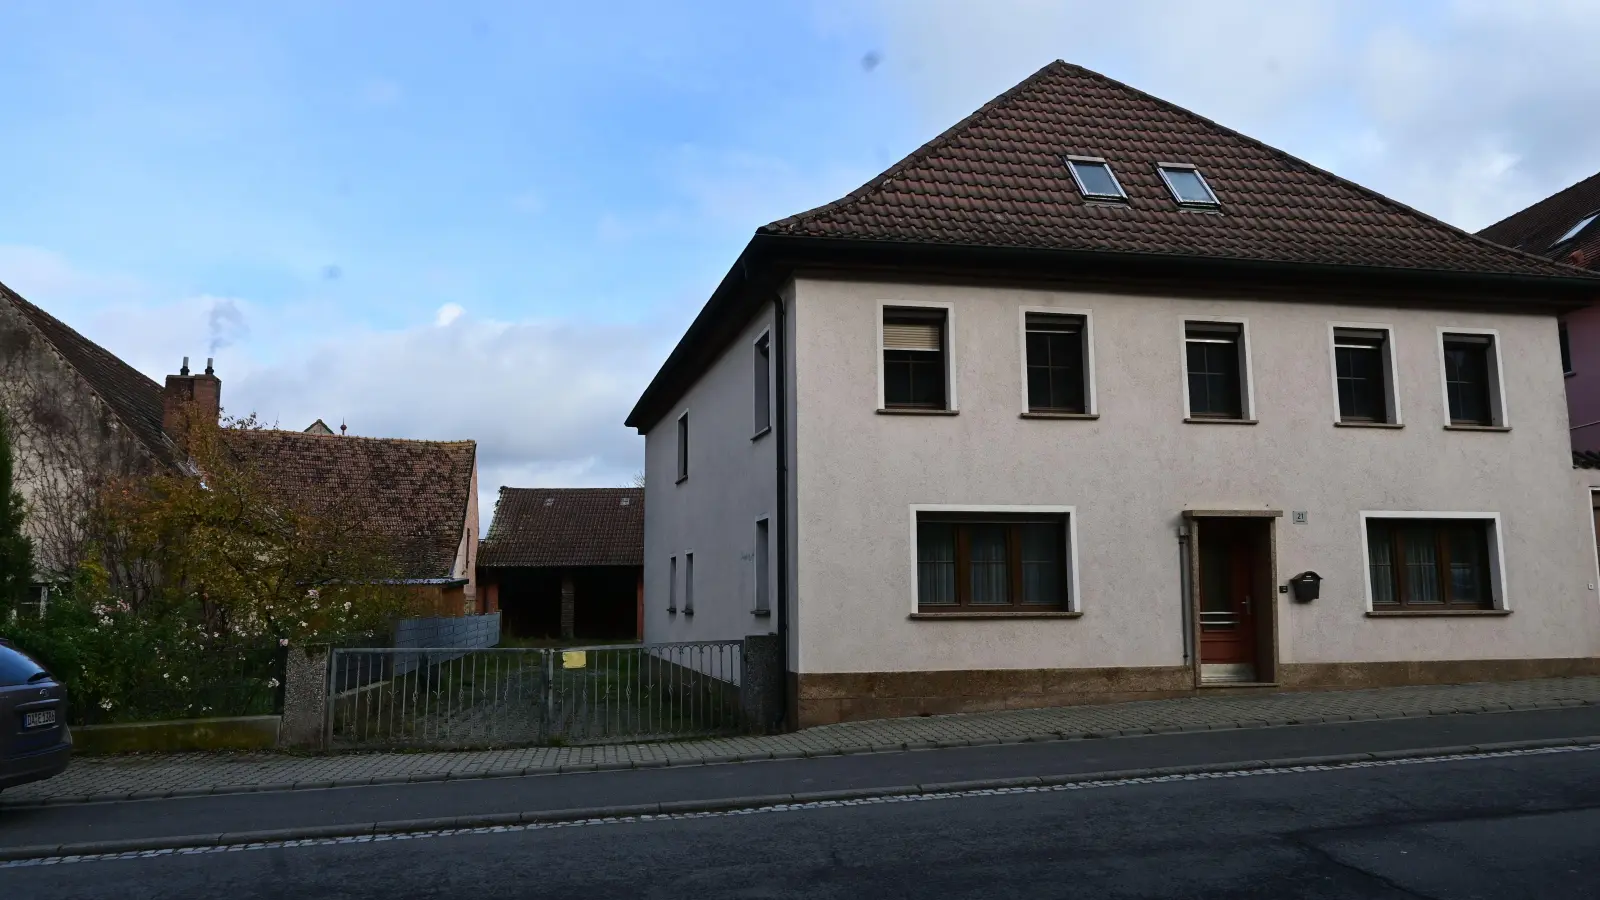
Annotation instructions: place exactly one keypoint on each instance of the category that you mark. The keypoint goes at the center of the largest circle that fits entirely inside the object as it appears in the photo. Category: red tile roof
(998, 178)
(413, 494)
(565, 527)
(1536, 228)
(131, 396)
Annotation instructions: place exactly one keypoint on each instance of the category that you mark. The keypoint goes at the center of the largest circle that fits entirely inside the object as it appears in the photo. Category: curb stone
(241, 839)
(678, 759)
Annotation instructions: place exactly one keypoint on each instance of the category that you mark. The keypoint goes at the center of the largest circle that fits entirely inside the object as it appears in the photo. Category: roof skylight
(1574, 230)
(1188, 186)
(1095, 179)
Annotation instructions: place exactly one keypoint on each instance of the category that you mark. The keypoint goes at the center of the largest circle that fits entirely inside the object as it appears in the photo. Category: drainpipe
(1184, 549)
(780, 437)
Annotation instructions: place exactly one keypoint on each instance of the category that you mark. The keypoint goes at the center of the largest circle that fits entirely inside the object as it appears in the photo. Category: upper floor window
(915, 358)
(683, 446)
(1188, 186)
(763, 383)
(1054, 346)
(1215, 366)
(1471, 379)
(1566, 348)
(1363, 375)
(1095, 179)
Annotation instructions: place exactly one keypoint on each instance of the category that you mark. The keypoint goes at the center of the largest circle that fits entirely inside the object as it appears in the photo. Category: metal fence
(447, 697)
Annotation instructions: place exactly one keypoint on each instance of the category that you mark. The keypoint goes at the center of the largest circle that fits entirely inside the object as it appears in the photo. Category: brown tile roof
(999, 179)
(565, 527)
(130, 395)
(415, 492)
(1536, 228)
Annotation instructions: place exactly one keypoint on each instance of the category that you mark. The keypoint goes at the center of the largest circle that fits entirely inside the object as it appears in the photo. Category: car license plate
(42, 719)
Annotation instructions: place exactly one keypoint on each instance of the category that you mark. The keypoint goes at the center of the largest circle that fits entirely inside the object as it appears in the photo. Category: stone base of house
(825, 699)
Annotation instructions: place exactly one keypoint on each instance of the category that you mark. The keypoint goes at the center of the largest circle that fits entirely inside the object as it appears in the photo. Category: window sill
(1206, 420)
(1425, 613)
(1058, 415)
(761, 434)
(1367, 425)
(1477, 428)
(761, 613)
(911, 411)
(1001, 614)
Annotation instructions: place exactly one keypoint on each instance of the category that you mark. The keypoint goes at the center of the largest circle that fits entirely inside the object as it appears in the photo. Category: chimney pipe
(184, 370)
(209, 370)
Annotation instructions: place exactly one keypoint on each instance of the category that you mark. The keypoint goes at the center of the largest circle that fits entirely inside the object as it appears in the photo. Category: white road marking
(782, 807)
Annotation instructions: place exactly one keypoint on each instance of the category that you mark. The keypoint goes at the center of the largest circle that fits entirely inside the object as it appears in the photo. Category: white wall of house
(1131, 472)
(713, 512)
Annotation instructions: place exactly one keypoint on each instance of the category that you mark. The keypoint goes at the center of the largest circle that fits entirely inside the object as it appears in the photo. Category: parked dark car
(34, 740)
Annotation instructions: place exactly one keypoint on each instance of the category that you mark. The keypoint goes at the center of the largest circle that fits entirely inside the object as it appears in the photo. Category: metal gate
(421, 697)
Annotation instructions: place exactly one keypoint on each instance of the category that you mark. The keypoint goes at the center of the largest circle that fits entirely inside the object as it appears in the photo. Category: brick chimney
(190, 398)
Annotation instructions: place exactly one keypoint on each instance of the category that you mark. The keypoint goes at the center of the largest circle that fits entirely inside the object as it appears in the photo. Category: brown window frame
(1443, 530)
(1014, 582)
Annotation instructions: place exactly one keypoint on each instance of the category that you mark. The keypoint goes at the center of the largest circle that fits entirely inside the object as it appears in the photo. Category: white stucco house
(1057, 408)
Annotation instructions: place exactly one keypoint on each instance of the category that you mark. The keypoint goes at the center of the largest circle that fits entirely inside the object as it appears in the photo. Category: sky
(494, 221)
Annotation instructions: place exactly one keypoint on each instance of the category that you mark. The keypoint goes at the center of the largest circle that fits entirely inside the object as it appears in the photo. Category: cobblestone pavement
(188, 774)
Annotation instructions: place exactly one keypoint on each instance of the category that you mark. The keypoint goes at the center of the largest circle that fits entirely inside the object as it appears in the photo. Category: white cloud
(447, 314)
(545, 400)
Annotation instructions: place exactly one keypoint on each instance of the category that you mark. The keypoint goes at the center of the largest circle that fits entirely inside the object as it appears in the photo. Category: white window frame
(1073, 603)
(1497, 549)
(761, 601)
(1213, 203)
(949, 308)
(761, 428)
(1391, 380)
(672, 584)
(1091, 404)
(688, 582)
(1247, 379)
(1501, 419)
(680, 447)
(1122, 192)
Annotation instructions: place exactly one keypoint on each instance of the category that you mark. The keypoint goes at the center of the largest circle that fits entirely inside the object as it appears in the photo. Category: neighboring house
(319, 427)
(81, 416)
(1053, 410)
(566, 562)
(1566, 227)
(419, 498)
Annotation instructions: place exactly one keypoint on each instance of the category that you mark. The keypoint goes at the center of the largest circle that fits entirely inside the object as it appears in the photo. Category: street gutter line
(855, 750)
(411, 829)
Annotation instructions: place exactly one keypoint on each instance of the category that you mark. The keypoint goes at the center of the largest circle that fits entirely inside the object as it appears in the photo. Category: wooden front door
(1230, 579)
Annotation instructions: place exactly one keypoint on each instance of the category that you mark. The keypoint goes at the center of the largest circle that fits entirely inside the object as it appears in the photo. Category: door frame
(1267, 612)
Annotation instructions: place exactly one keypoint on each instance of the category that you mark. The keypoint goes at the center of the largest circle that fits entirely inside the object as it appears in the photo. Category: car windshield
(16, 667)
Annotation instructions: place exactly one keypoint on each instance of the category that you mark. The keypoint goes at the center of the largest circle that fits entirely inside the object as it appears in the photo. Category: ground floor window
(1430, 563)
(977, 562)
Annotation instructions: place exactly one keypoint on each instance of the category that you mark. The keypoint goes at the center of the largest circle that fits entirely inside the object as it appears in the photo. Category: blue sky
(493, 222)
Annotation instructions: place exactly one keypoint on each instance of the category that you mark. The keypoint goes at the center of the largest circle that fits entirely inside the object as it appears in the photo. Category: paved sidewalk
(194, 774)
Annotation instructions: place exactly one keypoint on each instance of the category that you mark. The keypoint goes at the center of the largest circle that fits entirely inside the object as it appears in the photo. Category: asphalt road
(1506, 827)
(249, 812)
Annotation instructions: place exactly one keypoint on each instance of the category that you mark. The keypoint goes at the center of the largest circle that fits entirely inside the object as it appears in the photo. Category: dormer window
(1577, 229)
(1188, 186)
(1095, 179)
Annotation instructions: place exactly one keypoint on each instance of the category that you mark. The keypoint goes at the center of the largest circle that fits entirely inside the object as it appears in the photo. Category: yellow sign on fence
(574, 659)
